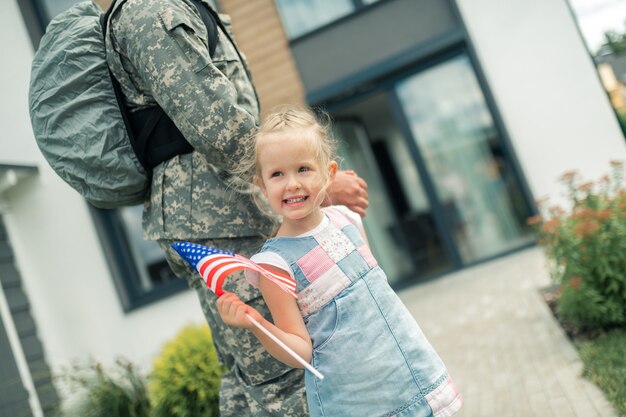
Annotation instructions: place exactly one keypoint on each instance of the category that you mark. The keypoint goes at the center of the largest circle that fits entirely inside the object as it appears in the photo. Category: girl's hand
(233, 311)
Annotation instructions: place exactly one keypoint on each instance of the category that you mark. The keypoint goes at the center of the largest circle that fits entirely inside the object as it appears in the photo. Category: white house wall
(546, 89)
(67, 280)
(65, 275)
(16, 143)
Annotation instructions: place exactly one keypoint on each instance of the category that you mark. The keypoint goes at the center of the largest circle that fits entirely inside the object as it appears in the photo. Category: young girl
(346, 321)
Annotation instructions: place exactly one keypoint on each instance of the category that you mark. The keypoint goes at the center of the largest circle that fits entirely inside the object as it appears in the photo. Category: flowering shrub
(586, 247)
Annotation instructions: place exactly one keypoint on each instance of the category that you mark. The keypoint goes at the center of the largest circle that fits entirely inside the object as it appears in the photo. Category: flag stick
(287, 348)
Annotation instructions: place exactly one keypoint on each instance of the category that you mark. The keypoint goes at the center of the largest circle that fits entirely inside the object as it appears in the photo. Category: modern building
(459, 114)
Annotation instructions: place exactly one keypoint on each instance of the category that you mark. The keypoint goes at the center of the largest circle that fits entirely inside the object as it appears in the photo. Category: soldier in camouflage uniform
(157, 49)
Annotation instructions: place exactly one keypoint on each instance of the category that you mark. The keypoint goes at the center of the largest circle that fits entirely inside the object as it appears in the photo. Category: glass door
(455, 141)
(380, 223)
(400, 220)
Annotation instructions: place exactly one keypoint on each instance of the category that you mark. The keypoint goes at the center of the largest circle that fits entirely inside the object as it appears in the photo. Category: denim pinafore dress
(375, 359)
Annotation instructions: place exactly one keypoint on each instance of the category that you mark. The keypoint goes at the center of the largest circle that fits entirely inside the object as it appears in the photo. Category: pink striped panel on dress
(322, 291)
(445, 400)
(315, 263)
(338, 218)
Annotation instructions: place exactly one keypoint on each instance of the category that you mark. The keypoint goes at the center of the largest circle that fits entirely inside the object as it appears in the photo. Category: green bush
(585, 245)
(96, 392)
(186, 377)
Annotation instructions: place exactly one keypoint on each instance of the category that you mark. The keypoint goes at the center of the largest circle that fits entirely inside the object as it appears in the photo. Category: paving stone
(504, 349)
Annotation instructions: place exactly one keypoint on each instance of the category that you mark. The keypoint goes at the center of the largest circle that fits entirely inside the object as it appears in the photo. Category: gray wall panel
(13, 395)
(9, 275)
(359, 42)
(15, 402)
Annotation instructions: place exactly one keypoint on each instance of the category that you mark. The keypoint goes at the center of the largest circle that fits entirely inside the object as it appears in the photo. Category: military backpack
(79, 117)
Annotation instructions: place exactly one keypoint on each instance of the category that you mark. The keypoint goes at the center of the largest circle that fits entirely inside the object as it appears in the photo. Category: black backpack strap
(117, 89)
(159, 139)
(210, 20)
(153, 135)
(219, 23)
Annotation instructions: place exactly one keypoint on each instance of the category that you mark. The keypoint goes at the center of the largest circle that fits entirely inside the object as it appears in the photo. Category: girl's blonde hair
(305, 125)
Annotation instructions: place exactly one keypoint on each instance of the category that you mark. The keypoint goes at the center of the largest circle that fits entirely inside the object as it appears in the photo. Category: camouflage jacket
(158, 51)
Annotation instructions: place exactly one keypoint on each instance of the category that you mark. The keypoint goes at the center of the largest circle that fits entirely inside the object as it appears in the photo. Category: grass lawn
(604, 361)
(603, 355)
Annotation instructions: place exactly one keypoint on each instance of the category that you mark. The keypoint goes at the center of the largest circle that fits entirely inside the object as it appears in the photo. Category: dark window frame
(111, 230)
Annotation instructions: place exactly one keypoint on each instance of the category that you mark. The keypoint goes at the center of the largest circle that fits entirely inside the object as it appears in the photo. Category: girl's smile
(295, 200)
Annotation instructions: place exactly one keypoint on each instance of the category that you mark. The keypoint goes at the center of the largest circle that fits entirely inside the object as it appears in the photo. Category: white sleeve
(353, 217)
(267, 258)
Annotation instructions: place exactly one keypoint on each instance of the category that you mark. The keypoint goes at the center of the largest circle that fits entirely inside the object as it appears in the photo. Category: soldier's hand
(350, 190)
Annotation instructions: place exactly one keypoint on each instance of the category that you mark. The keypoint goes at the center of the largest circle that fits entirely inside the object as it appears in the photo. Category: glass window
(152, 269)
(452, 126)
(138, 267)
(356, 153)
(302, 16)
(400, 219)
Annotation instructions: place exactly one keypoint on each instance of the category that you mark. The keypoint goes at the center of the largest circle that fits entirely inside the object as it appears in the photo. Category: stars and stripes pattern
(215, 265)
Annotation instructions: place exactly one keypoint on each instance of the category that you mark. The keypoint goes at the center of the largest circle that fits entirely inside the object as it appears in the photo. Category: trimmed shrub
(585, 245)
(186, 377)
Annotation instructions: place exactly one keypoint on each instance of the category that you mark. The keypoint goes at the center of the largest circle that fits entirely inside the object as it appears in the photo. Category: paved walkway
(506, 353)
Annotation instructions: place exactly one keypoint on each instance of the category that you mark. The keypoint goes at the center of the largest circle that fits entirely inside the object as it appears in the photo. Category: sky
(598, 16)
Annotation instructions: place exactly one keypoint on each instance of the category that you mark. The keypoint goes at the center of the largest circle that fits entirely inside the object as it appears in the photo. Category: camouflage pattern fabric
(157, 49)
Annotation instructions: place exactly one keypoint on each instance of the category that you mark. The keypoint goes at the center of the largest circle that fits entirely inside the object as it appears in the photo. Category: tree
(615, 42)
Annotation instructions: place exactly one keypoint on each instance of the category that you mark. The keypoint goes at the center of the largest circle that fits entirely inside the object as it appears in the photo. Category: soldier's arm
(166, 43)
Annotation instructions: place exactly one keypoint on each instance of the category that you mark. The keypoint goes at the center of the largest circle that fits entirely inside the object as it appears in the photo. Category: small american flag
(215, 265)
